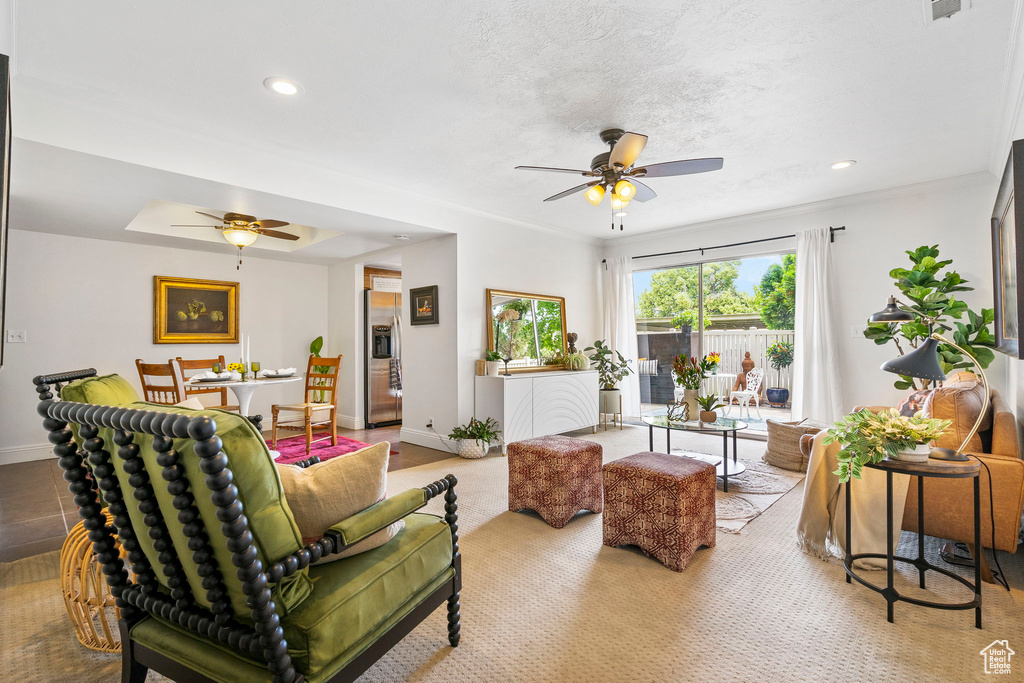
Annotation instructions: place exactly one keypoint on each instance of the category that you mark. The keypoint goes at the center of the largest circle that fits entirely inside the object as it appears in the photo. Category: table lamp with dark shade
(923, 363)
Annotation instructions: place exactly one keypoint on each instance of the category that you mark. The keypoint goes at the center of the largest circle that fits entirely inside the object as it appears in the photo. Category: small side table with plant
(475, 437)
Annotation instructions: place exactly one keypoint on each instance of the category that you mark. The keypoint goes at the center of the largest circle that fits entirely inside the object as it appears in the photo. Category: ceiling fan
(242, 229)
(616, 171)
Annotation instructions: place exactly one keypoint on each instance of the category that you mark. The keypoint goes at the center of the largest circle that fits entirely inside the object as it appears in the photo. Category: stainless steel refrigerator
(383, 320)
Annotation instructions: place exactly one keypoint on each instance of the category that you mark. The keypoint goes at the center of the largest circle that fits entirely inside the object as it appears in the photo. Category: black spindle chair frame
(263, 641)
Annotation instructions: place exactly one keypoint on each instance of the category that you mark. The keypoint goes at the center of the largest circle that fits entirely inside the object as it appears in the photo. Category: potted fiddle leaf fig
(612, 367)
(475, 437)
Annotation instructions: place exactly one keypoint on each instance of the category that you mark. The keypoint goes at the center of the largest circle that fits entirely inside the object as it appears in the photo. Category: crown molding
(944, 184)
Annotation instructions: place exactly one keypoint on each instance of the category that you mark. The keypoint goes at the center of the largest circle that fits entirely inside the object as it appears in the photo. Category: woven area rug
(293, 449)
(750, 493)
(542, 604)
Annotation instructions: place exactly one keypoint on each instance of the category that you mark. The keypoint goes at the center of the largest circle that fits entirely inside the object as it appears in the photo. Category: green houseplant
(780, 355)
(929, 293)
(612, 367)
(869, 437)
(475, 437)
(492, 362)
(315, 347)
(708, 405)
(689, 373)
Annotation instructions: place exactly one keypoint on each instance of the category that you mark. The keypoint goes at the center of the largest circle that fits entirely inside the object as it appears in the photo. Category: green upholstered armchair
(220, 586)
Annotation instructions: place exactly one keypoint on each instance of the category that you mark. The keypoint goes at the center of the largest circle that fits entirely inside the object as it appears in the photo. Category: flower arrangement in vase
(714, 360)
(869, 437)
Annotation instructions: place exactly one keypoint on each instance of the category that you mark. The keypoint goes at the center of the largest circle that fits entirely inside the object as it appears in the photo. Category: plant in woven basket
(869, 437)
(481, 431)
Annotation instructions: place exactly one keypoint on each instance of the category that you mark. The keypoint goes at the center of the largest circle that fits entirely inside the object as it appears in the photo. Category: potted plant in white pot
(611, 368)
(780, 355)
(492, 362)
(475, 437)
(869, 437)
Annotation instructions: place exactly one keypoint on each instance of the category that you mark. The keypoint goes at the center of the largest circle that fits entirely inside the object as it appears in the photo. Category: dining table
(243, 389)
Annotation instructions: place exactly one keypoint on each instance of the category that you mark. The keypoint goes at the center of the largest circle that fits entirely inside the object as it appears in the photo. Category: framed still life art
(1007, 240)
(188, 311)
(423, 305)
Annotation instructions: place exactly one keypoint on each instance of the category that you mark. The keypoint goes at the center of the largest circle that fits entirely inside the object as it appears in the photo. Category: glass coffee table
(723, 426)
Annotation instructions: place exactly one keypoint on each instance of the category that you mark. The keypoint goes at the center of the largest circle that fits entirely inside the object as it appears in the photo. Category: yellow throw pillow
(329, 492)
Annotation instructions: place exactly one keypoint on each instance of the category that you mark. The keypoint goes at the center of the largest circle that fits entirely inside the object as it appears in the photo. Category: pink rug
(293, 449)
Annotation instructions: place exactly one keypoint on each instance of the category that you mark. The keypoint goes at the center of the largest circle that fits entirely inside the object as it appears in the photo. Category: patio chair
(751, 393)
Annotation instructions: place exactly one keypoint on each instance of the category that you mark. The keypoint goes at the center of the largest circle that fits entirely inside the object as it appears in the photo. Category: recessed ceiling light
(839, 165)
(282, 86)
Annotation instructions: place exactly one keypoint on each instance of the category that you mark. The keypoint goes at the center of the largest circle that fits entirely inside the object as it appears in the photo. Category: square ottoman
(664, 504)
(555, 476)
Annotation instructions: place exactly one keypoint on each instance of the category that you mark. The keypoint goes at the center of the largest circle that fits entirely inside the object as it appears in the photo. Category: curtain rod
(831, 238)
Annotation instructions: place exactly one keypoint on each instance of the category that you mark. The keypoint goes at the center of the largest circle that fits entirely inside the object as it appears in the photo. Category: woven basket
(784, 443)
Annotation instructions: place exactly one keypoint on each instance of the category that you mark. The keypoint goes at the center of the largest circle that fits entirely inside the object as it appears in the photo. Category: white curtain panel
(620, 326)
(817, 393)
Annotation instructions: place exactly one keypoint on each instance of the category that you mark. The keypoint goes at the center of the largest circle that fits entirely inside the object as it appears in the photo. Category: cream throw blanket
(821, 530)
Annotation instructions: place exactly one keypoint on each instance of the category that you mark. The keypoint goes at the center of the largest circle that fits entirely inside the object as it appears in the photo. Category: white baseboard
(427, 439)
(9, 456)
(351, 421)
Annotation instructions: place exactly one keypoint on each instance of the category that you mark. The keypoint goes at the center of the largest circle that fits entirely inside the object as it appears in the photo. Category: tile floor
(36, 508)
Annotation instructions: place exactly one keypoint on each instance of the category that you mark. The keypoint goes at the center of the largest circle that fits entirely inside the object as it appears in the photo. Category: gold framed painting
(188, 311)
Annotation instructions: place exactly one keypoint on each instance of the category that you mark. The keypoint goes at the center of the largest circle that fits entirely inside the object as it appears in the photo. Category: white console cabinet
(532, 404)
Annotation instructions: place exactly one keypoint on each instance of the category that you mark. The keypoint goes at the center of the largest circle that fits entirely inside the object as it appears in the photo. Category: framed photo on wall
(187, 311)
(1007, 240)
(423, 305)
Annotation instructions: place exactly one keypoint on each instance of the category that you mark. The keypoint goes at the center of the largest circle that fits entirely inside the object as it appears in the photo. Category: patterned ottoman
(556, 476)
(664, 504)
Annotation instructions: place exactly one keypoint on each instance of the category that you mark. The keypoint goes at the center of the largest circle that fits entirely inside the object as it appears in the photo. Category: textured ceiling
(443, 99)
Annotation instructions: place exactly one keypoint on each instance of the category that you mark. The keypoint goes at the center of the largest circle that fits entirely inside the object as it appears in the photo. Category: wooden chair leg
(454, 620)
(986, 573)
(334, 426)
(131, 670)
(309, 429)
(273, 435)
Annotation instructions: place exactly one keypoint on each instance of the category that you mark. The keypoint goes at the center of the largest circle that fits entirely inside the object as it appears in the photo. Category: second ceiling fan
(615, 172)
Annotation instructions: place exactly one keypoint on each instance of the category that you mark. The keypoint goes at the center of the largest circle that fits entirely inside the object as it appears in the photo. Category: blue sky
(751, 271)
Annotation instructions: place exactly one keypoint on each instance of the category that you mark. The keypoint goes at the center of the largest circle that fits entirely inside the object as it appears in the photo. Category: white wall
(88, 303)
(953, 214)
(522, 260)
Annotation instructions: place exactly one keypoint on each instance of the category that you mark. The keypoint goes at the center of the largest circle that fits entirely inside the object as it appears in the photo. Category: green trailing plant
(315, 347)
(611, 366)
(928, 291)
(483, 432)
(780, 355)
(492, 356)
(577, 360)
(709, 402)
(869, 437)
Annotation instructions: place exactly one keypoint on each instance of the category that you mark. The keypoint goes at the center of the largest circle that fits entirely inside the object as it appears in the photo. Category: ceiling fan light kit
(616, 170)
(241, 230)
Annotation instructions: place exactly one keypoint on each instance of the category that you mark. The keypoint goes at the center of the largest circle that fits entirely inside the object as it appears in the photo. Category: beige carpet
(543, 604)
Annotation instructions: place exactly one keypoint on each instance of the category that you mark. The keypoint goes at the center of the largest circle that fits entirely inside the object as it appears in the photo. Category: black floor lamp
(923, 363)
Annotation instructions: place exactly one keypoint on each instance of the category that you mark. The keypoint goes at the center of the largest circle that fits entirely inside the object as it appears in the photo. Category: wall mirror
(536, 340)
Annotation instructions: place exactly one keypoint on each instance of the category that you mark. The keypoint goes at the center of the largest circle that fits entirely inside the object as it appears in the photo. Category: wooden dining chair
(170, 391)
(189, 368)
(320, 407)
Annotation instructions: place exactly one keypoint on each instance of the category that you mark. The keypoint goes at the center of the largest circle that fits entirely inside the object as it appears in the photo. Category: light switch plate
(17, 336)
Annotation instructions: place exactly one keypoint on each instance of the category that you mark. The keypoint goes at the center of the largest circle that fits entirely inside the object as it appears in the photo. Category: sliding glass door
(741, 309)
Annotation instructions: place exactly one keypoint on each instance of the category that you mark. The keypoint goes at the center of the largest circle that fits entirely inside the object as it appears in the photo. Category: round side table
(933, 468)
